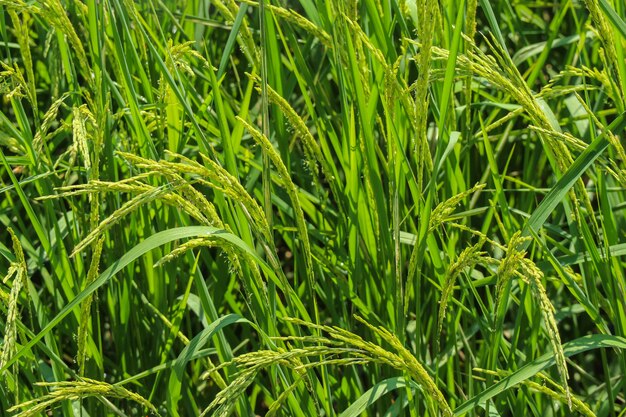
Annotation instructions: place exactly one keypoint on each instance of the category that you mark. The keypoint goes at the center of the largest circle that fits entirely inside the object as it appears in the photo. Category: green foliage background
(312, 208)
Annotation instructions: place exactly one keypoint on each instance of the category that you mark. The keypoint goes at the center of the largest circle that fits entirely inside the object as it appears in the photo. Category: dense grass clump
(300, 208)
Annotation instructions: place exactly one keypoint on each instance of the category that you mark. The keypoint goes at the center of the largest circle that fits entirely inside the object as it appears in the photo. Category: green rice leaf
(567, 181)
(190, 351)
(373, 394)
(154, 241)
(545, 361)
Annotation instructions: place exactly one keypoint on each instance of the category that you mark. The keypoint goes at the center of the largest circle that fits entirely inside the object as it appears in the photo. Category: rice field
(312, 208)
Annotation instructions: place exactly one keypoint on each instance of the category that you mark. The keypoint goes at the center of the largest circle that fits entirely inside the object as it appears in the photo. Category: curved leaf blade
(567, 181)
(190, 351)
(147, 245)
(529, 370)
(374, 394)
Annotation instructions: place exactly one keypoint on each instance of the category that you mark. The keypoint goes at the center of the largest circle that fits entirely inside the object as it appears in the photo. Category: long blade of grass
(190, 351)
(232, 39)
(41, 234)
(493, 23)
(545, 361)
(578, 168)
(373, 394)
(142, 248)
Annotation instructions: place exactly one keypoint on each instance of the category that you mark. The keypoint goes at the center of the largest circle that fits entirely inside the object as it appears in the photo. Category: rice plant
(301, 208)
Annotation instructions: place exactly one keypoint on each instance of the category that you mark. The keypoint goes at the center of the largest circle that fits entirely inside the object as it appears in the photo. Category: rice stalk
(508, 266)
(177, 193)
(74, 390)
(277, 405)
(582, 71)
(12, 83)
(19, 6)
(254, 362)
(500, 122)
(194, 202)
(22, 33)
(79, 130)
(502, 73)
(214, 176)
(293, 17)
(468, 258)
(312, 150)
(395, 87)
(290, 187)
(606, 34)
(443, 210)
(54, 12)
(515, 264)
(85, 307)
(426, 15)
(127, 185)
(119, 214)
(341, 347)
(18, 271)
(557, 393)
(470, 32)
(565, 137)
(531, 275)
(39, 143)
(478, 234)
